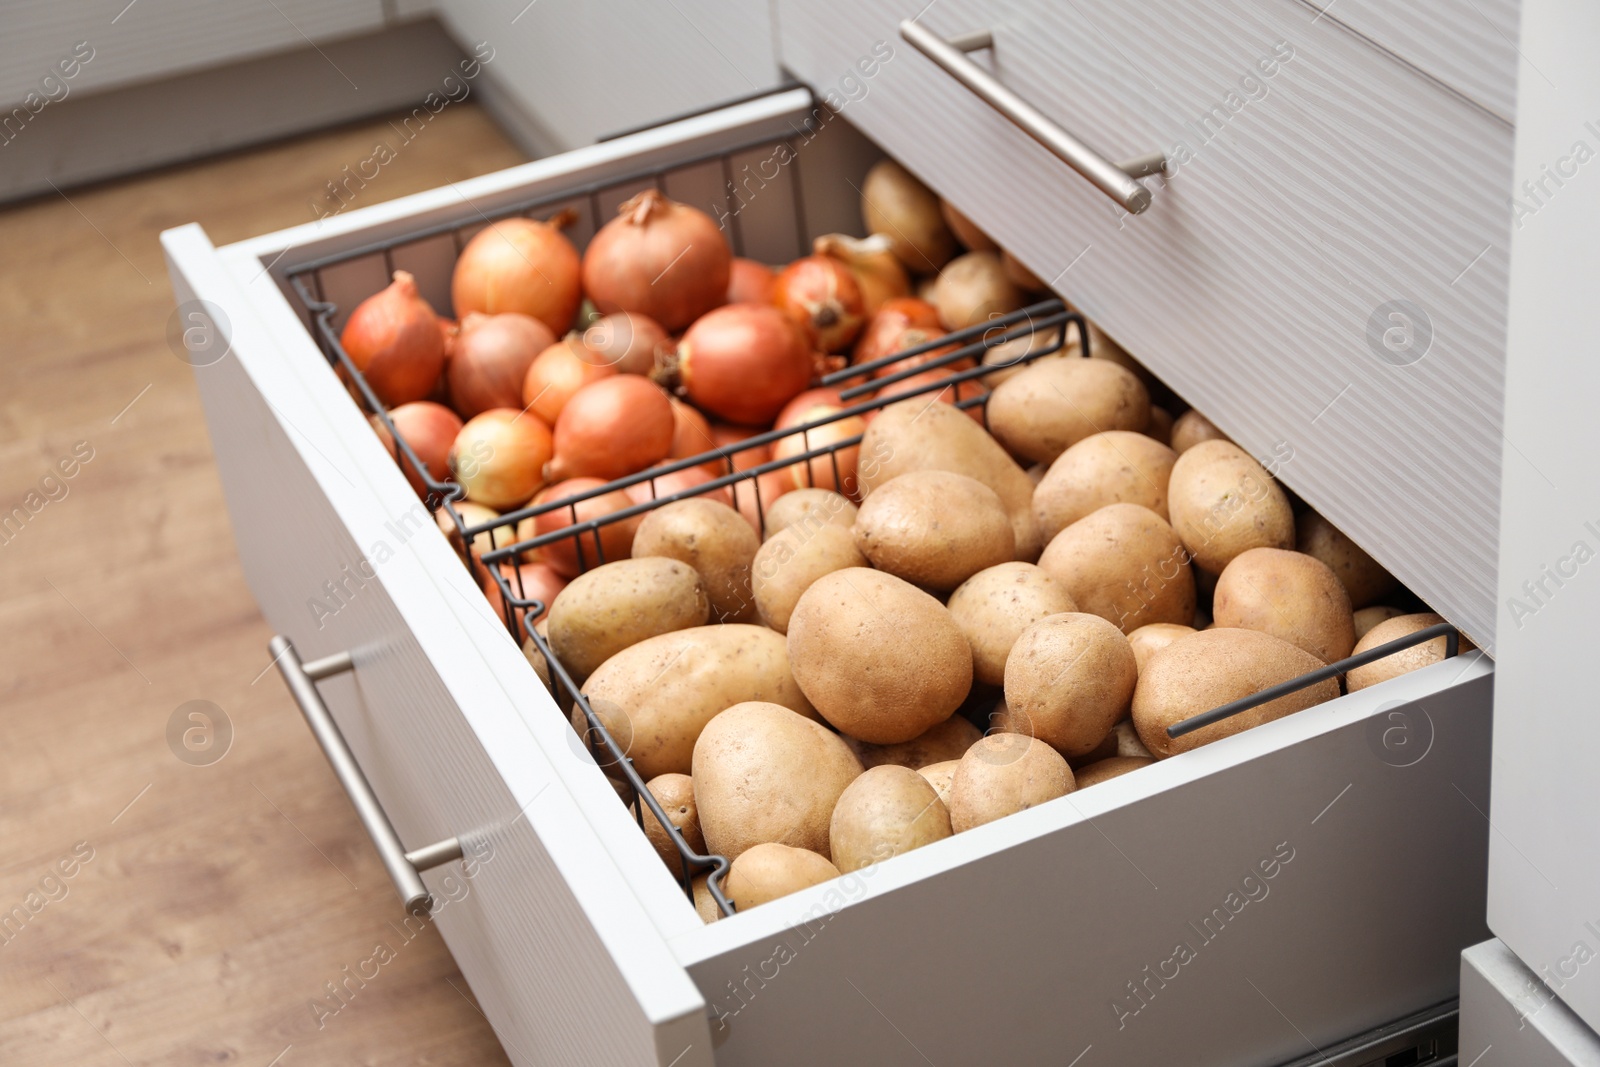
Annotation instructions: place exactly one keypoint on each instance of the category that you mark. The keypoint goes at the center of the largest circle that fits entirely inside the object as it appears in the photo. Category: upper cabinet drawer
(1323, 272)
(1469, 45)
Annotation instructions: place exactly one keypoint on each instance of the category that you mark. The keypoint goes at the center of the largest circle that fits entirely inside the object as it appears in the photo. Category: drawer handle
(1116, 181)
(405, 868)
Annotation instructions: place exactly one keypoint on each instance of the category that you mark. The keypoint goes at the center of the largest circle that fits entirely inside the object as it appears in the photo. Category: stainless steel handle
(1115, 180)
(405, 868)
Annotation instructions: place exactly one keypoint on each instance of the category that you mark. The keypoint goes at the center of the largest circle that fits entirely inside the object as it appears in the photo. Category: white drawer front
(1260, 283)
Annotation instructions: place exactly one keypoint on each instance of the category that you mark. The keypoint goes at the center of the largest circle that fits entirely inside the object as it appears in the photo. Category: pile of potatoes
(1004, 613)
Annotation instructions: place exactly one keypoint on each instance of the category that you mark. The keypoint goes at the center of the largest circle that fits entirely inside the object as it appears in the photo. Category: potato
(939, 776)
(657, 696)
(1288, 595)
(1362, 576)
(1106, 769)
(1146, 641)
(1115, 467)
(934, 528)
(705, 905)
(811, 508)
(1205, 670)
(1041, 412)
(675, 794)
(1004, 774)
(947, 740)
(1124, 564)
(995, 605)
(1223, 502)
(712, 538)
(765, 774)
(1191, 428)
(769, 871)
(887, 811)
(1126, 736)
(1069, 680)
(1406, 660)
(923, 434)
(880, 659)
(788, 563)
(1160, 425)
(1365, 620)
(603, 611)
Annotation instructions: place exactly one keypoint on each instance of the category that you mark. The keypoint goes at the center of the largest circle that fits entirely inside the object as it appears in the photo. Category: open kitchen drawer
(1250, 902)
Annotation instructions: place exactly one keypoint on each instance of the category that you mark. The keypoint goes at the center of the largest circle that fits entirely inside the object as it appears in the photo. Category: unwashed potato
(1126, 736)
(906, 212)
(934, 528)
(886, 812)
(1365, 619)
(766, 872)
(764, 774)
(675, 794)
(1191, 428)
(1146, 641)
(939, 776)
(948, 740)
(712, 538)
(1106, 769)
(1160, 425)
(1362, 576)
(603, 611)
(880, 659)
(1069, 680)
(1223, 502)
(810, 508)
(1288, 595)
(1115, 467)
(655, 697)
(1205, 670)
(1044, 410)
(705, 905)
(995, 605)
(1124, 564)
(923, 434)
(791, 560)
(1004, 774)
(1407, 659)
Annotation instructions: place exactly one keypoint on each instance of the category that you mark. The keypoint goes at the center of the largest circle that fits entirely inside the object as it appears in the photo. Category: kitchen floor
(160, 905)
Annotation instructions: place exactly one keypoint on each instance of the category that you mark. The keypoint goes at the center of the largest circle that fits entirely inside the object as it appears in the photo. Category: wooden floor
(207, 906)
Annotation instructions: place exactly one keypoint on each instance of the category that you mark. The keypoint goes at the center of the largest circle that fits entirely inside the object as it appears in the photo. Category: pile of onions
(395, 341)
(499, 457)
(895, 317)
(612, 428)
(557, 375)
(750, 282)
(691, 433)
(529, 581)
(430, 429)
(966, 231)
(563, 555)
(905, 212)
(491, 359)
(974, 289)
(821, 296)
(520, 265)
(837, 471)
(659, 258)
(877, 271)
(741, 362)
(627, 341)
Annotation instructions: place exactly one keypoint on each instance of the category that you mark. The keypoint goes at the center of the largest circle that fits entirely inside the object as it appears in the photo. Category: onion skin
(491, 360)
(948, 395)
(539, 581)
(898, 207)
(430, 429)
(471, 514)
(520, 265)
(882, 334)
(555, 377)
(750, 282)
(872, 260)
(770, 485)
(691, 433)
(385, 438)
(819, 472)
(562, 555)
(966, 231)
(499, 457)
(821, 296)
(974, 289)
(659, 258)
(727, 437)
(742, 363)
(912, 337)
(395, 341)
(626, 341)
(676, 482)
(612, 428)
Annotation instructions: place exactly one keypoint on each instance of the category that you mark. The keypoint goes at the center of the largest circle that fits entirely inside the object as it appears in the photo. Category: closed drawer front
(1324, 272)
